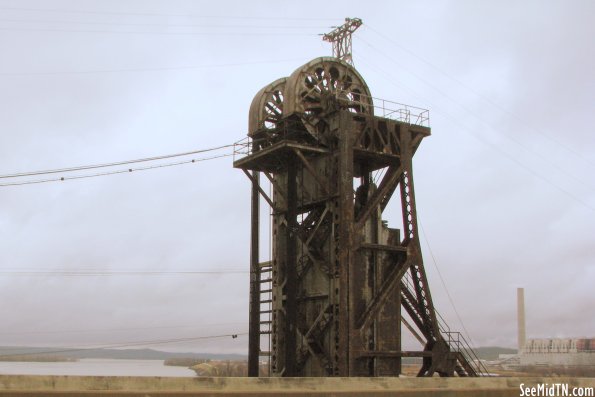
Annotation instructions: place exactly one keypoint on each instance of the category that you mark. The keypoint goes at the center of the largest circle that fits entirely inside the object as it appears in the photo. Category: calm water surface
(96, 367)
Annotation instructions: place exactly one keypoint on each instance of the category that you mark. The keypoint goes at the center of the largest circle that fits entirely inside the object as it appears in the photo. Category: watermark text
(555, 390)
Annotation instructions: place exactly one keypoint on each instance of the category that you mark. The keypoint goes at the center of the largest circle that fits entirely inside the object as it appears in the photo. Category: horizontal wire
(268, 34)
(496, 148)
(149, 69)
(151, 167)
(100, 330)
(75, 273)
(478, 94)
(542, 157)
(126, 344)
(244, 17)
(167, 25)
(112, 164)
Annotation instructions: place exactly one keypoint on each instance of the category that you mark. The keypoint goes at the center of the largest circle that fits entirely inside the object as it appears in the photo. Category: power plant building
(555, 352)
(558, 352)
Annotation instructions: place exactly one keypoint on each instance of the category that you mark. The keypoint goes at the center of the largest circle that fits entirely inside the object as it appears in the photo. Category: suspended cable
(268, 34)
(165, 25)
(244, 17)
(100, 330)
(452, 303)
(499, 150)
(544, 158)
(112, 164)
(76, 273)
(127, 344)
(485, 98)
(151, 167)
(149, 69)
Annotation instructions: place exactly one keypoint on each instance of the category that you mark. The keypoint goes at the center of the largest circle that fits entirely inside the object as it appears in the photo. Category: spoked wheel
(323, 85)
(267, 106)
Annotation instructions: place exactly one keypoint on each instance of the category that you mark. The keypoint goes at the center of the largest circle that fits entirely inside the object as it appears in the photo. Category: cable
(442, 280)
(268, 34)
(485, 98)
(112, 164)
(95, 330)
(149, 69)
(166, 15)
(76, 273)
(544, 158)
(500, 151)
(167, 25)
(152, 167)
(128, 344)
(121, 171)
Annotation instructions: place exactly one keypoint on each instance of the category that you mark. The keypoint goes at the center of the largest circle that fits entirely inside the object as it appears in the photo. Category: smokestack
(520, 294)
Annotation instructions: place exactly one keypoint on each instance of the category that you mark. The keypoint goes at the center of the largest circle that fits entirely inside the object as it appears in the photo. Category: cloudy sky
(505, 185)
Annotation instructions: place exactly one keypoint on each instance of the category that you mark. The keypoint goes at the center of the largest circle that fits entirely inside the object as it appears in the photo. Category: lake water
(96, 367)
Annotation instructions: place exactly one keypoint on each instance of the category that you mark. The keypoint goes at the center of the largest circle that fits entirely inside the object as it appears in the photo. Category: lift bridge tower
(332, 298)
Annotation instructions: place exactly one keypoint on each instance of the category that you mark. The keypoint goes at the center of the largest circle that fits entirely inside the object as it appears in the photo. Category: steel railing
(456, 340)
(388, 109)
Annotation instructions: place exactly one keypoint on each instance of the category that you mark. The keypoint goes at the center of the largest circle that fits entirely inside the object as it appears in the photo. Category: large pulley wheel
(267, 107)
(324, 85)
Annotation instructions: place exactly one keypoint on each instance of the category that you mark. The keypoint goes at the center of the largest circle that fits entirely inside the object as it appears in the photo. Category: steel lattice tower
(331, 297)
(340, 37)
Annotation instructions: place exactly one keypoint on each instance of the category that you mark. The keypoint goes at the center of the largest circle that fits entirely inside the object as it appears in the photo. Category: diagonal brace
(262, 192)
(388, 185)
(323, 184)
(382, 295)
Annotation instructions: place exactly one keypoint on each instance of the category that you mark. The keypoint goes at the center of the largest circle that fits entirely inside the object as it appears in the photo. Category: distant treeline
(31, 358)
(185, 361)
(124, 354)
(492, 352)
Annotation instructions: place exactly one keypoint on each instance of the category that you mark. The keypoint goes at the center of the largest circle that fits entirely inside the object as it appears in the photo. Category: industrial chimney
(521, 318)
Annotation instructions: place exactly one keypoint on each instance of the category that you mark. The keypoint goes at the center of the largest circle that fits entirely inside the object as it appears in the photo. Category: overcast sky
(505, 185)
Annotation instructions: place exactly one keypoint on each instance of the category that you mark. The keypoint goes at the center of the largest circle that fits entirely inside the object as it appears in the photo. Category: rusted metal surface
(340, 37)
(267, 107)
(254, 324)
(321, 85)
(341, 278)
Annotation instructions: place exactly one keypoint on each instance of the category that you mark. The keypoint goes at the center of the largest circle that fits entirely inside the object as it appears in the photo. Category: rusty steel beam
(259, 189)
(413, 331)
(254, 322)
(391, 280)
(321, 182)
(290, 288)
(341, 278)
(278, 190)
(345, 245)
(389, 182)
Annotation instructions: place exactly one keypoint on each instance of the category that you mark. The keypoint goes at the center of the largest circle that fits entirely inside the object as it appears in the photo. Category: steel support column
(290, 289)
(254, 326)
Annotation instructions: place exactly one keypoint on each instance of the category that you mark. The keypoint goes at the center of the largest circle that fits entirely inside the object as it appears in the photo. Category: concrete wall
(559, 359)
(40, 386)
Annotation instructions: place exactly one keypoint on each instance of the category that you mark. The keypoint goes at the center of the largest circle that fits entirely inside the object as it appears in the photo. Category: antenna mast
(341, 39)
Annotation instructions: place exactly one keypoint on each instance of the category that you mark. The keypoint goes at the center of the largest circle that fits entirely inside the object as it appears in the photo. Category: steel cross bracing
(340, 37)
(339, 276)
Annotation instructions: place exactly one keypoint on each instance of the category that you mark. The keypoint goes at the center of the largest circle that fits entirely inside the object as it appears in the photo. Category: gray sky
(505, 186)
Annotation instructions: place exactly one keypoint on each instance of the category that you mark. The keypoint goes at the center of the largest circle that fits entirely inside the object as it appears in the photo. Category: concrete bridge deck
(86, 386)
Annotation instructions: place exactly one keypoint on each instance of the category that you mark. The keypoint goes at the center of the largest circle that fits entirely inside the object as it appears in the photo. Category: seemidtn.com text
(555, 390)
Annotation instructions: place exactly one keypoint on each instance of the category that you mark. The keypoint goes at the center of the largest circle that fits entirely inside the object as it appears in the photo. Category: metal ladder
(266, 300)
